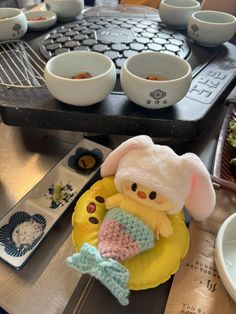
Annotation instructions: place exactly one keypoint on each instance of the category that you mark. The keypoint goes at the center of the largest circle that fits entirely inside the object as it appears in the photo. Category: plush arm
(114, 201)
(163, 225)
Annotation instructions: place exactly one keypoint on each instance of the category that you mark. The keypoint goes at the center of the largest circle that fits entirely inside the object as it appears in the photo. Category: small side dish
(29, 221)
(176, 13)
(155, 80)
(66, 10)
(63, 83)
(13, 24)
(21, 233)
(211, 28)
(231, 139)
(40, 20)
(224, 170)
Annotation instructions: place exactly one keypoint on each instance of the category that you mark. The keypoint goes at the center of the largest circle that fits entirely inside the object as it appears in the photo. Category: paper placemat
(197, 288)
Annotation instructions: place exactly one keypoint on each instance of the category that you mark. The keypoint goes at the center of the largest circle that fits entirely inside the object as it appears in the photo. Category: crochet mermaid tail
(121, 236)
(110, 272)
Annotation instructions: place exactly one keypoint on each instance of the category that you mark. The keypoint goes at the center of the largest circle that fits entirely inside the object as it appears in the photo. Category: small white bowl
(211, 28)
(225, 254)
(60, 69)
(35, 23)
(176, 13)
(66, 10)
(155, 94)
(13, 24)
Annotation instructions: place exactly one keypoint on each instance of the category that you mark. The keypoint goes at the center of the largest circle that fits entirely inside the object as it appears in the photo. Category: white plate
(29, 221)
(225, 254)
(49, 18)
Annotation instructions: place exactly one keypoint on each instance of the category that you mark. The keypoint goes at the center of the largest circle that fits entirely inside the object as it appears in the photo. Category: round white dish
(211, 28)
(41, 20)
(175, 79)
(225, 254)
(13, 24)
(60, 69)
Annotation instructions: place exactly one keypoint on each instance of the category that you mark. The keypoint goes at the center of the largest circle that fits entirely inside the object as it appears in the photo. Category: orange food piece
(154, 78)
(40, 18)
(80, 76)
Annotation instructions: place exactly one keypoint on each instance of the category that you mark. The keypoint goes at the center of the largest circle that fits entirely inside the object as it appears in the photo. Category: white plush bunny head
(184, 180)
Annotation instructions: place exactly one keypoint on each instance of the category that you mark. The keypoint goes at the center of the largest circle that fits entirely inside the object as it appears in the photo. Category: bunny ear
(110, 165)
(201, 200)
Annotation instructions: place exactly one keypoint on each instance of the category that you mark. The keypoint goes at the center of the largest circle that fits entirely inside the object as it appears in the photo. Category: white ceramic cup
(155, 94)
(211, 28)
(65, 9)
(13, 24)
(60, 69)
(225, 254)
(176, 13)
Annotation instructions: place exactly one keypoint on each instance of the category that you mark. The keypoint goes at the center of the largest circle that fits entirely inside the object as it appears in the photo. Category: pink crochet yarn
(123, 235)
(115, 243)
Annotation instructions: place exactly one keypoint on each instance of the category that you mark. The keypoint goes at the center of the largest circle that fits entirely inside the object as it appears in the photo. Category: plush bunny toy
(153, 182)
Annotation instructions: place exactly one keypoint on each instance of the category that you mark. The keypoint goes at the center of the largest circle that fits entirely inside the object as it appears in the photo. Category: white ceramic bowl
(35, 23)
(225, 254)
(13, 24)
(176, 13)
(59, 71)
(65, 9)
(155, 94)
(211, 28)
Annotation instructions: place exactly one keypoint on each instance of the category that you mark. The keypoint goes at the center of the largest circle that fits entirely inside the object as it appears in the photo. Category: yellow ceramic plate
(148, 269)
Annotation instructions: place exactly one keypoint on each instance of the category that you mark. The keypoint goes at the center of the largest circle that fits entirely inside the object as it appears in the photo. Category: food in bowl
(155, 94)
(82, 76)
(61, 69)
(155, 78)
(40, 20)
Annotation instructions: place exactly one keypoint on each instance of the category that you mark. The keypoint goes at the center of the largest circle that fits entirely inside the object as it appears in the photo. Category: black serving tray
(214, 75)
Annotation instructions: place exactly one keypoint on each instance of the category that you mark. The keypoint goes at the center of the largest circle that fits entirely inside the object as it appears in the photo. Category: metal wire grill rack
(20, 66)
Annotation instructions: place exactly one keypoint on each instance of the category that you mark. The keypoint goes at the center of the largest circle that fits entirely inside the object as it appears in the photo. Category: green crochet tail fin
(110, 272)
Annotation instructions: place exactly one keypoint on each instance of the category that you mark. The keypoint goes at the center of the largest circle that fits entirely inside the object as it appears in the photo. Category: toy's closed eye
(152, 195)
(134, 187)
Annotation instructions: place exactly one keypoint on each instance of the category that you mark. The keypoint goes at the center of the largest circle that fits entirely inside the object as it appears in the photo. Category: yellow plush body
(156, 265)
